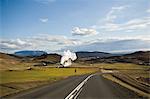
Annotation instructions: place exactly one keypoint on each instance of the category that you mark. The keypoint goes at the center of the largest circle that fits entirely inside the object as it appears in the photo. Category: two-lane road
(95, 87)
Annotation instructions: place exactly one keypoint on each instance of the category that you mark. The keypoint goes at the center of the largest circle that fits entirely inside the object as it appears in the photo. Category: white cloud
(45, 1)
(134, 24)
(112, 14)
(21, 42)
(148, 10)
(58, 39)
(83, 31)
(109, 23)
(8, 45)
(138, 37)
(44, 20)
(14, 44)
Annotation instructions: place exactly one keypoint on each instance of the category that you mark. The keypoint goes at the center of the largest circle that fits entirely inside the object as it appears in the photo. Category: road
(95, 87)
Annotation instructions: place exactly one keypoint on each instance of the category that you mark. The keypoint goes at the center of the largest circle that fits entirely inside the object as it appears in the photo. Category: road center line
(77, 90)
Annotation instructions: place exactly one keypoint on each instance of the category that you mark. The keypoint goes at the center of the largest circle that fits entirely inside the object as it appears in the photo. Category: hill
(139, 57)
(11, 61)
(42, 60)
(51, 58)
(85, 55)
(8, 60)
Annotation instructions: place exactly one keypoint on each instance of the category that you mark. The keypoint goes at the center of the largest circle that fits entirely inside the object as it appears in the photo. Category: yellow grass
(120, 66)
(41, 74)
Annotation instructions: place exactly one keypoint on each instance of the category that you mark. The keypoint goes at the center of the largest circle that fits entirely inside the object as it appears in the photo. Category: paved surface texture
(96, 87)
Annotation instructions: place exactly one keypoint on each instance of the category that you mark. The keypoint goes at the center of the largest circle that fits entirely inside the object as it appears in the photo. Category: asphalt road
(96, 87)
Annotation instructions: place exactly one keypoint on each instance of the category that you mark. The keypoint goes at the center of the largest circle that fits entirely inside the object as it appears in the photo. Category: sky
(78, 25)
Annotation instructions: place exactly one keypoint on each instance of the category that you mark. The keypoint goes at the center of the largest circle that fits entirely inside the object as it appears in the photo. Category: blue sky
(55, 25)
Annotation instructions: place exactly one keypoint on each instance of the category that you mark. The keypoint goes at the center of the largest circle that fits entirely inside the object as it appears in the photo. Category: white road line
(76, 91)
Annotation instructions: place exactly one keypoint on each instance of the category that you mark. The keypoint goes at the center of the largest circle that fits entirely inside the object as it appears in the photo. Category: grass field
(22, 79)
(41, 74)
(131, 70)
(120, 66)
(18, 80)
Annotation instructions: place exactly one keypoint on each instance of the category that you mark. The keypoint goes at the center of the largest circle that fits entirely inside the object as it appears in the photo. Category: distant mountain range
(30, 53)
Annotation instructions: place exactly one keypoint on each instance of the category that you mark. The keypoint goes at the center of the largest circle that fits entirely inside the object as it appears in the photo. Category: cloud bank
(59, 43)
(41, 42)
(114, 46)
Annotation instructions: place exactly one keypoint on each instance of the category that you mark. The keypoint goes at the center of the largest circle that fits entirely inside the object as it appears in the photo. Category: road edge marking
(75, 91)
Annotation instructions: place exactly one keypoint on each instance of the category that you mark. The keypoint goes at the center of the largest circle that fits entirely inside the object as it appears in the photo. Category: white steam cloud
(67, 58)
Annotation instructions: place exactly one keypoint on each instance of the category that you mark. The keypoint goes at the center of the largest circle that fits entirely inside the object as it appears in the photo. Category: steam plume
(67, 58)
